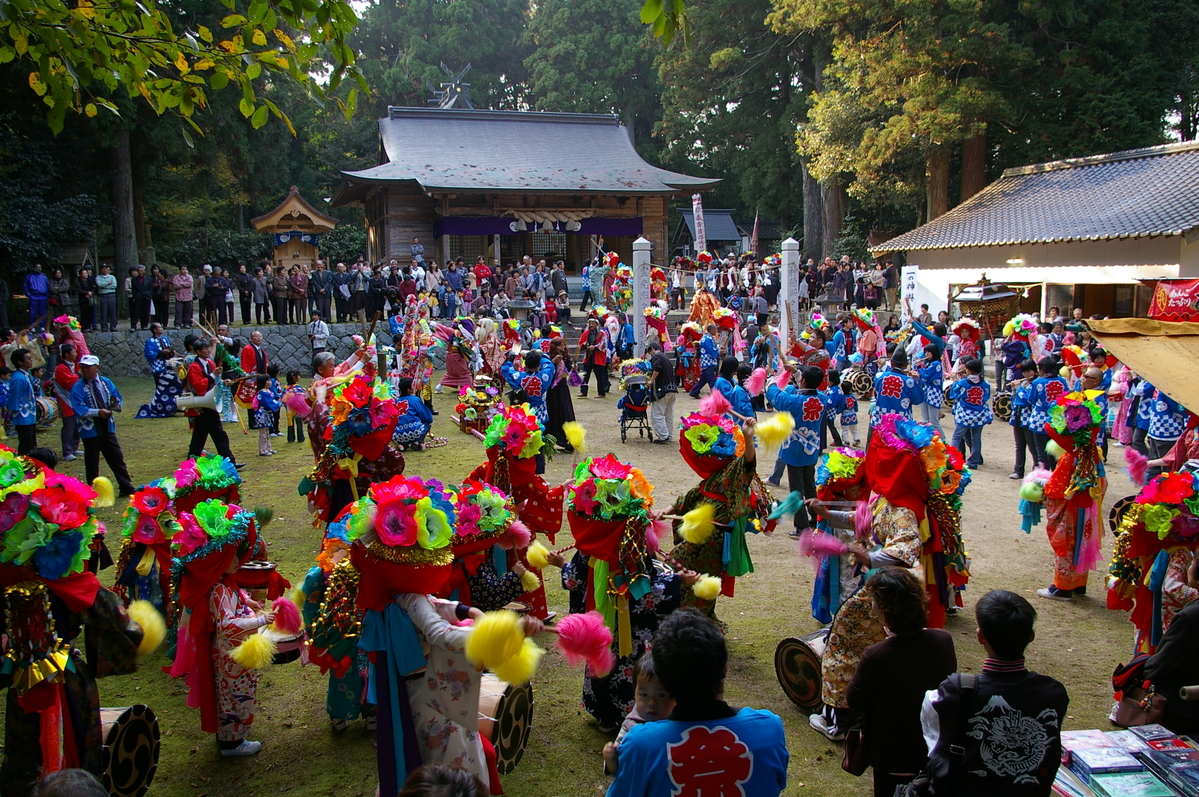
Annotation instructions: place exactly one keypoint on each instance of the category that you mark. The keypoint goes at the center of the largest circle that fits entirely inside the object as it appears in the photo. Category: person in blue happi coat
(896, 389)
(971, 398)
(709, 359)
(809, 407)
(94, 399)
(22, 400)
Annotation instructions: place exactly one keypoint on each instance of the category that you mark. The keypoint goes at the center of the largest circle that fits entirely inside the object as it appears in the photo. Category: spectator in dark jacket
(142, 287)
(1176, 663)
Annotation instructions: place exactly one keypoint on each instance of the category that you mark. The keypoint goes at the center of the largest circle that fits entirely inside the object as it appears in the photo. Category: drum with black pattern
(506, 719)
(131, 747)
(797, 666)
(1001, 405)
(859, 382)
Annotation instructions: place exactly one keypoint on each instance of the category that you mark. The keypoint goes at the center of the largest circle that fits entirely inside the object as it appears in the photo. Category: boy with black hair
(1021, 407)
(801, 452)
(997, 733)
(971, 396)
(705, 746)
(1046, 390)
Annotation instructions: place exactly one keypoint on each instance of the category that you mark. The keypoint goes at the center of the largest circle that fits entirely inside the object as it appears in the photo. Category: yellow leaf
(285, 40)
(142, 90)
(205, 34)
(90, 109)
(227, 46)
(203, 63)
(35, 83)
(258, 37)
(181, 64)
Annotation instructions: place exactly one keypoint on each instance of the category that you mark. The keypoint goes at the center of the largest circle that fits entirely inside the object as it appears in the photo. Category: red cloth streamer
(584, 637)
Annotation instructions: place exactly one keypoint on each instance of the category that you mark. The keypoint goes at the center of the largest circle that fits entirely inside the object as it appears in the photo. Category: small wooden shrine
(296, 228)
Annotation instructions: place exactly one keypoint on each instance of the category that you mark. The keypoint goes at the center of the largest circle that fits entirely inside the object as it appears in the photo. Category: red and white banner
(1175, 300)
(701, 234)
(753, 238)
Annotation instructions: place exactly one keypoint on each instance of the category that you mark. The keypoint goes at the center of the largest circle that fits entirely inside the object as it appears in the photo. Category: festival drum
(287, 646)
(1115, 515)
(947, 401)
(47, 411)
(256, 577)
(859, 382)
(130, 752)
(797, 665)
(506, 719)
(1001, 405)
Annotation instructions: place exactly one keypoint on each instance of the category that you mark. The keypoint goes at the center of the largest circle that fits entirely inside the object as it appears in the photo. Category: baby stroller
(634, 406)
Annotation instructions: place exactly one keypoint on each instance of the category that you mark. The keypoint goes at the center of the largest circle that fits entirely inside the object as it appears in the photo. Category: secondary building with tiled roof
(1088, 232)
(506, 183)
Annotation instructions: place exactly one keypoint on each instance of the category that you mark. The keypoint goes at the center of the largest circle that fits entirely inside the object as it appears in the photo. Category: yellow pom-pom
(494, 639)
(256, 653)
(538, 556)
(154, 627)
(106, 496)
(1054, 450)
(575, 435)
(520, 668)
(699, 524)
(1009, 327)
(707, 588)
(529, 580)
(776, 429)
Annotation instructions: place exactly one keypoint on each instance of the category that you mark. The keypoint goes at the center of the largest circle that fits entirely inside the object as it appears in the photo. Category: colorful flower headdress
(691, 330)
(724, 318)
(819, 322)
(1076, 414)
(683, 262)
(839, 467)
(516, 431)
(68, 321)
(709, 442)
(47, 520)
(944, 466)
(474, 401)
(211, 526)
(1168, 508)
(864, 317)
(656, 274)
(485, 513)
(704, 258)
(613, 260)
(654, 311)
(608, 489)
(364, 416)
(1022, 326)
(633, 367)
(405, 520)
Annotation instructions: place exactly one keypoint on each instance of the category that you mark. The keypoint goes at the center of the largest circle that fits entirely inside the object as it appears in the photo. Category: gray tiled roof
(514, 151)
(718, 224)
(1132, 194)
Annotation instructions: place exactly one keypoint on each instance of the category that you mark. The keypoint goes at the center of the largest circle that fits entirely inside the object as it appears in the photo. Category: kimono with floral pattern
(855, 627)
(609, 699)
(236, 687)
(445, 700)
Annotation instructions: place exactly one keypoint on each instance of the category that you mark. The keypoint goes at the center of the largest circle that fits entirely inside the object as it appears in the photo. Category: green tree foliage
(403, 43)
(82, 53)
(344, 244)
(731, 103)
(594, 56)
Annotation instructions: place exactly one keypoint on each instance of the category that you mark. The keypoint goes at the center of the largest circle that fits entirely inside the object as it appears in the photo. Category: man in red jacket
(202, 376)
(253, 361)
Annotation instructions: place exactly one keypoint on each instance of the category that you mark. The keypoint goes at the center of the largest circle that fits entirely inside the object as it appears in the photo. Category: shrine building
(296, 228)
(503, 184)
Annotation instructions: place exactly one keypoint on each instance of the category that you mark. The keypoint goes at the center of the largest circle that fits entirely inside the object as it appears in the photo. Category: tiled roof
(1132, 194)
(513, 151)
(718, 224)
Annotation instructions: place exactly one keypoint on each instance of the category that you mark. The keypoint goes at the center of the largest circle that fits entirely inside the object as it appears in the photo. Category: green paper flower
(1159, 519)
(211, 517)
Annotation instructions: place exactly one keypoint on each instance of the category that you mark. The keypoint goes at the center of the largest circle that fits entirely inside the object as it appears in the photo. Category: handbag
(854, 759)
(1139, 703)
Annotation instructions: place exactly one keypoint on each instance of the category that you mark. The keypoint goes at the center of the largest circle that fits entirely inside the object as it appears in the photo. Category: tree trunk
(813, 214)
(936, 163)
(974, 166)
(139, 214)
(832, 197)
(241, 219)
(123, 228)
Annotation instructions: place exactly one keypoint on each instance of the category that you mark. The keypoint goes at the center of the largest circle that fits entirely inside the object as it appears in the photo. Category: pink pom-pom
(714, 404)
(782, 379)
(756, 383)
(298, 405)
(655, 533)
(517, 536)
(287, 616)
(863, 520)
(1138, 465)
(819, 545)
(1038, 475)
(584, 637)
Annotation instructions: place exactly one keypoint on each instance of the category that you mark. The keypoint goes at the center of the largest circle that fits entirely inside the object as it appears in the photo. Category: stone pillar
(788, 292)
(641, 253)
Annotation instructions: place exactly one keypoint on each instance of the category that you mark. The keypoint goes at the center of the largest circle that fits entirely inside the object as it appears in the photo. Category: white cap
(89, 359)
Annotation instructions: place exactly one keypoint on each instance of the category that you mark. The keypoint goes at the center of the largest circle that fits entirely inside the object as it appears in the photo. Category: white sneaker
(246, 748)
(820, 724)
(1111, 715)
(438, 389)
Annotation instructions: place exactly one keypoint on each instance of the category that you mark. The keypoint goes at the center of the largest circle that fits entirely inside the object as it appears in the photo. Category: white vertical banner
(701, 233)
(908, 283)
(641, 292)
(788, 303)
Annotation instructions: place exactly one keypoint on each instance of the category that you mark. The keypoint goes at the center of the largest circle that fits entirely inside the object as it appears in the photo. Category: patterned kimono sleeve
(314, 595)
(435, 628)
(232, 616)
(899, 532)
(489, 590)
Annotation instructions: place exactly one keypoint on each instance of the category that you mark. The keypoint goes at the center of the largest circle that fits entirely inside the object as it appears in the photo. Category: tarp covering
(1164, 352)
